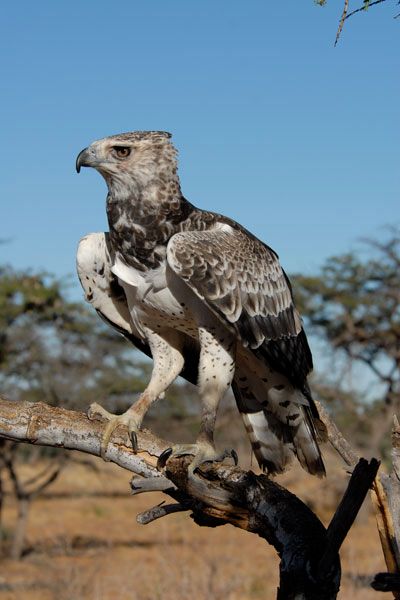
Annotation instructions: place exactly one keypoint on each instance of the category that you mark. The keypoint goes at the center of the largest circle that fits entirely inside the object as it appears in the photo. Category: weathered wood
(360, 482)
(392, 488)
(218, 494)
(384, 496)
(44, 425)
(261, 506)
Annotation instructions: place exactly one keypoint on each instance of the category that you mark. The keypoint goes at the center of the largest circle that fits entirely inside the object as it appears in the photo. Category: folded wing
(241, 281)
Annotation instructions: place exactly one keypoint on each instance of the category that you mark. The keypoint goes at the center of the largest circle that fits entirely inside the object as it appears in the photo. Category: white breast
(149, 297)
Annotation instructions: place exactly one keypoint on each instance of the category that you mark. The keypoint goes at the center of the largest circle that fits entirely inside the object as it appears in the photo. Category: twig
(336, 439)
(346, 15)
(161, 510)
(342, 20)
(362, 8)
(140, 485)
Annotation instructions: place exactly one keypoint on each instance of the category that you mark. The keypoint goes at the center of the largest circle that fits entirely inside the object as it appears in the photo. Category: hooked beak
(83, 160)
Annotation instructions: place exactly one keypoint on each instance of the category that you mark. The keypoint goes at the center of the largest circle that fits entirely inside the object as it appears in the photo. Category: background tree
(55, 351)
(354, 305)
(61, 353)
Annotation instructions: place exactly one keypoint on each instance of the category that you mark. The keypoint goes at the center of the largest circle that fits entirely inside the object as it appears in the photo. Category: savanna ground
(83, 542)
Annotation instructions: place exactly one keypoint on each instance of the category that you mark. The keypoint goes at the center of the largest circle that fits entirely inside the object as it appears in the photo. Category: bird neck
(142, 221)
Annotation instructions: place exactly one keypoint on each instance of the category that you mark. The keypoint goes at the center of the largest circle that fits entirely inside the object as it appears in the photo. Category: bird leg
(168, 363)
(132, 419)
(204, 449)
(216, 370)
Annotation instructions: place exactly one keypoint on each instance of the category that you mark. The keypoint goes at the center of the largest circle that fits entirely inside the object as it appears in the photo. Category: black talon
(235, 457)
(134, 442)
(162, 459)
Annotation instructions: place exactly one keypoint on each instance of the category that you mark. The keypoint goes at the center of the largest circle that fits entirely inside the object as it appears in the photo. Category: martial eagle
(204, 298)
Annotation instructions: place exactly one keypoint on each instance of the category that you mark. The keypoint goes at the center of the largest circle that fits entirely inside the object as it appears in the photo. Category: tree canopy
(353, 304)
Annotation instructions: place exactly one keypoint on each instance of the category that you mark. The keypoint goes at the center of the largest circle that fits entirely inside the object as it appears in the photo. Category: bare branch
(342, 20)
(46, 425)
(363, 8)
(140, 485)
(346, 15)
(216, 495)
(360, 482)
(379, 498)
(336, 439)
(161, 510)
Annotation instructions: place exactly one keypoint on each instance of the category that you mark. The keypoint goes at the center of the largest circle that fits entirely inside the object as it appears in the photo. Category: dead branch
(342, 20)
(385, 495)
(346, 15)
(217, 495)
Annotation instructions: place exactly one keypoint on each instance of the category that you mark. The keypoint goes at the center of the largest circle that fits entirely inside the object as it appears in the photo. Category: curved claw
(134, 441)
(162, 459)
(129, 419)
(235, 457)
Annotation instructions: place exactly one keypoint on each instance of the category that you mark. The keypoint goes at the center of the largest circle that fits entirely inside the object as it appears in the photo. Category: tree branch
(342, 20)
(346, 15)
(216, 495)
(380, 500)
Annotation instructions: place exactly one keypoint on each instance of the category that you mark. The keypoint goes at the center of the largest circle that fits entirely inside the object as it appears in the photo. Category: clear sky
(276, 128)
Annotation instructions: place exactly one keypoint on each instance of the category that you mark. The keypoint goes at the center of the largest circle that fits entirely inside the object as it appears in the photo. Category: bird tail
(277, 431)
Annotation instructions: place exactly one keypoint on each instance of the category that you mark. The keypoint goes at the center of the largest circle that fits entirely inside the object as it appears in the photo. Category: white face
(123, 160)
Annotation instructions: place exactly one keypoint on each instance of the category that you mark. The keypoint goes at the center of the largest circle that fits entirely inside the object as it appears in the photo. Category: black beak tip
(80, 161)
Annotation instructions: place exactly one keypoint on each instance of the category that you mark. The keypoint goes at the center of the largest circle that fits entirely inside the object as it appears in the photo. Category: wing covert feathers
(241, 280)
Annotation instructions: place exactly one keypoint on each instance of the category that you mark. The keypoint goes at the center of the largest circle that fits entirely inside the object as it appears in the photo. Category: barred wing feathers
(241, 281)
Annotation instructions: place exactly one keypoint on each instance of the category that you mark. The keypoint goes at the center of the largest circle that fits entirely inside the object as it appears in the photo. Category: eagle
(205, 299)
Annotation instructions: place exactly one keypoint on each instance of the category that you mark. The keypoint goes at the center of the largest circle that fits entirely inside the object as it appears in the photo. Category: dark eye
(122, 151)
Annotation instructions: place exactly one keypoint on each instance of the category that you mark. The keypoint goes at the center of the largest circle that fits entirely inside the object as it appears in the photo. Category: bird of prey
(205, 299)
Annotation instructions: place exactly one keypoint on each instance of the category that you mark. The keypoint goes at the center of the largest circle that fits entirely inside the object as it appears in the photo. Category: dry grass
(90, 547)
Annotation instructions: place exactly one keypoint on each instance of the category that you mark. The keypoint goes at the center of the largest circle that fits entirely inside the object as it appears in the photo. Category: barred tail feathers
(272, 454)
(279, 430)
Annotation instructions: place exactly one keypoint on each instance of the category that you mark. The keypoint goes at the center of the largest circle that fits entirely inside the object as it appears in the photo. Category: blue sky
(276, 128)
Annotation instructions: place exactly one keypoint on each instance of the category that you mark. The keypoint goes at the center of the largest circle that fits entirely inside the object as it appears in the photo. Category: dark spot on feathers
(292, 417)
(284, 404)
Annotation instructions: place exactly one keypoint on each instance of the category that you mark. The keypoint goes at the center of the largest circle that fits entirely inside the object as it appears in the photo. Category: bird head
(137, 159)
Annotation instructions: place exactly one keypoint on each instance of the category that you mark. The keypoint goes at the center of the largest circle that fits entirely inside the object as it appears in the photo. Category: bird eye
(122, 151)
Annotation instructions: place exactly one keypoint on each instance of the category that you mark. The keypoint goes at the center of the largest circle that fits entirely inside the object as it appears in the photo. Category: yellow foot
(128, 418)
(202, 451)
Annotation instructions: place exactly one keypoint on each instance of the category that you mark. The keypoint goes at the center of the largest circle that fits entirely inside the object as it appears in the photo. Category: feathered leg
(168, 363)
(216, 370)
